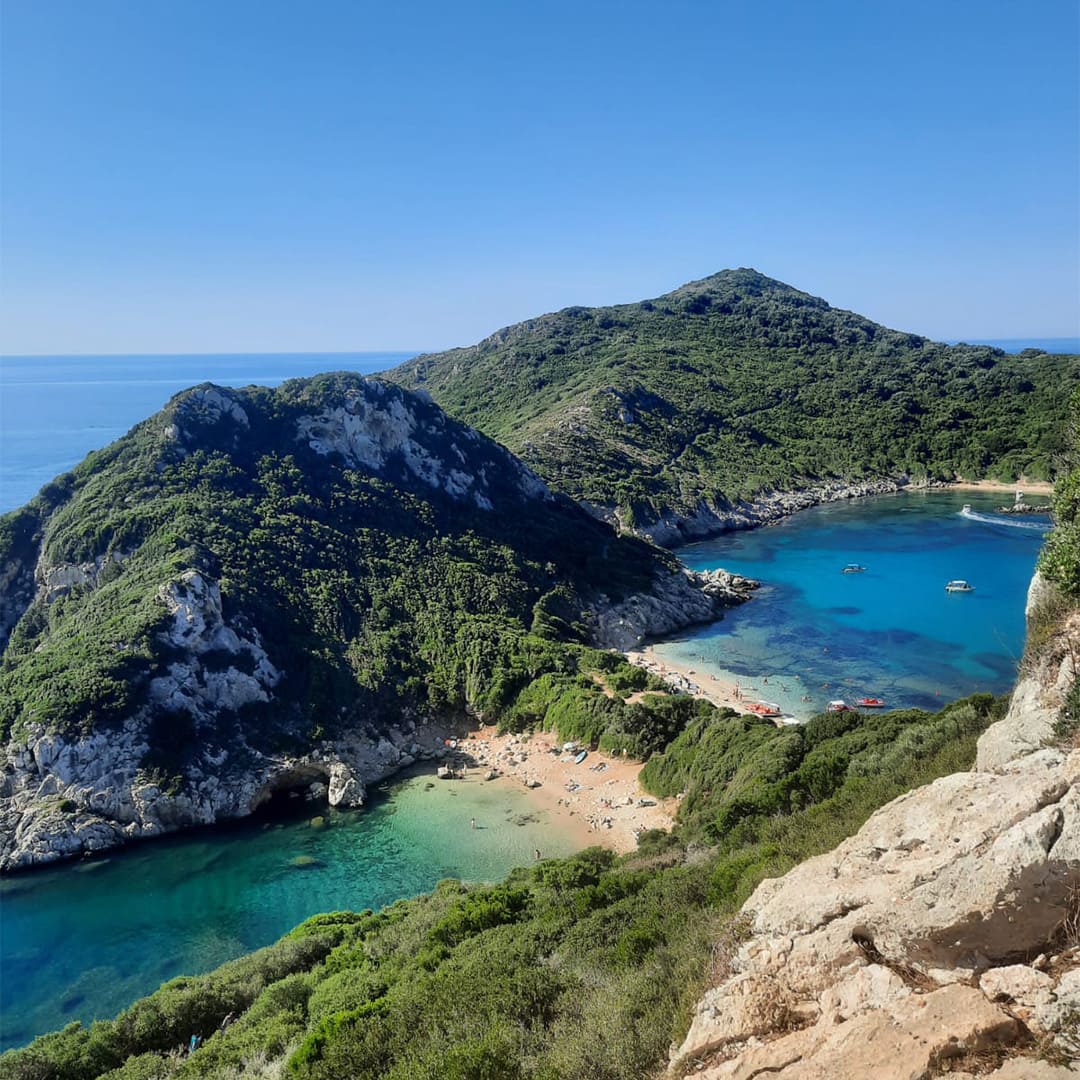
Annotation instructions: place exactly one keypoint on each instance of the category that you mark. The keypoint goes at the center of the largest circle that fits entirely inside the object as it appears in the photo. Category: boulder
(343, 788)
(903, 1040)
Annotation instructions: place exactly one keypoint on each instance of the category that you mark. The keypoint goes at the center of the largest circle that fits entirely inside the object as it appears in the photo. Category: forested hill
(738, 384)
(254, 575)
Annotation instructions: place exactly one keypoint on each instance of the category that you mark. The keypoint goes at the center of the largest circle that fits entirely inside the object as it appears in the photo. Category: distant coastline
(1054, 345)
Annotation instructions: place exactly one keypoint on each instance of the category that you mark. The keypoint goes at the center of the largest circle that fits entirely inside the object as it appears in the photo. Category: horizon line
(212, 352)
(151, 355)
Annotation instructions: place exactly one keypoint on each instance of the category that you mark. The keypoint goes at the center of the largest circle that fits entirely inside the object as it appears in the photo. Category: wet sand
(598, 800)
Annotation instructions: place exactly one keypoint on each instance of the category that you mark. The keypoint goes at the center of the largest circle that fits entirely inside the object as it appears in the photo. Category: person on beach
(536, 854)
(472, 823)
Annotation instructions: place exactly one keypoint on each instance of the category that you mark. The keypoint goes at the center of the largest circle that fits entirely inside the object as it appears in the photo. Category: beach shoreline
(598, 800)
(687, 679)
(520, 759)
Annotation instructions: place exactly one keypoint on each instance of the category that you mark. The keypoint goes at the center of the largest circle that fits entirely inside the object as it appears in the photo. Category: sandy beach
(600, 799)
(1028, 487)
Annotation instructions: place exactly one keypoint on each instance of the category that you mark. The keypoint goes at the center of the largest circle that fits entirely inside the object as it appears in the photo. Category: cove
(82, 941)
(892, 632)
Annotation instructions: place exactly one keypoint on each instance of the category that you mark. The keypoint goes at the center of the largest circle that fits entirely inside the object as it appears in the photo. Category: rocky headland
(198, 674)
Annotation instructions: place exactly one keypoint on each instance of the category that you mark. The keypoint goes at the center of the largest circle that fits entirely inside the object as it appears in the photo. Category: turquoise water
(891, 632)
(55, 409)
(84, 940)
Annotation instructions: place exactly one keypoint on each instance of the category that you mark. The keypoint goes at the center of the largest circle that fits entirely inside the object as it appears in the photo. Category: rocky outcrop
(197, 629)
(708, 519)
(904, 946)
(679, 599)
(946, 932)
(381, 423)
(1045, 678)
(207, 406)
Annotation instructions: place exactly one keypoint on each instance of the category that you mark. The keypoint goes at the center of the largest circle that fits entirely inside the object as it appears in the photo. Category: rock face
(897, 949)
(1040, 691)
(372, 428)
(948, 925)
(60, 798)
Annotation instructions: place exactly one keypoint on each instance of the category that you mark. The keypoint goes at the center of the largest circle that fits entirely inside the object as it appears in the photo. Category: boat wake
(1001, 519)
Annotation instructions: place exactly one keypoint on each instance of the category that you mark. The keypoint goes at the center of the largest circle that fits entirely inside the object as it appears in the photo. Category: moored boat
(870, 703)
(838, 706)
(764, 708)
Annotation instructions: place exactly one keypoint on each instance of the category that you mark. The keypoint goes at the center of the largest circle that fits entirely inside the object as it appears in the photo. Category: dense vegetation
(1060, 559)
(578, 969)
(1060, 562)
(736, 384)
(373, 590)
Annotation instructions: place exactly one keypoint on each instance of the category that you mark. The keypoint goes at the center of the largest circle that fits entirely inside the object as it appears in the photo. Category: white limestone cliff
(62, 796)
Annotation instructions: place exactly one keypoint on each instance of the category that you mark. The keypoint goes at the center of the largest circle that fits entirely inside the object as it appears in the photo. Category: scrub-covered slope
(677, 408)
(261, 588)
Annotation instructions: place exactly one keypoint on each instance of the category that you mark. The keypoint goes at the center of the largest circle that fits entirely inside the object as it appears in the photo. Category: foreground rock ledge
(936, 931)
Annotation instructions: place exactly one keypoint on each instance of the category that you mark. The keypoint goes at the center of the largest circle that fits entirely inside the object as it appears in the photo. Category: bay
(813, 634)
(82, 941)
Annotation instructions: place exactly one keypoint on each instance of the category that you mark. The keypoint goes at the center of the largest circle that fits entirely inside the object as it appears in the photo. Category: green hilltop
(737, 385)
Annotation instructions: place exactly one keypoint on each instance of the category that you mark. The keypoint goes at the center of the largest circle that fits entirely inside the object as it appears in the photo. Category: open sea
(84, 940)
(55, 409)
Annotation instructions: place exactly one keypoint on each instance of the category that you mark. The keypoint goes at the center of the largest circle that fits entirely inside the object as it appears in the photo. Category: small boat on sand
(838, 706)
(958, 585)
(869, 703)
(581, 757)
(764, 708)
(853, 568)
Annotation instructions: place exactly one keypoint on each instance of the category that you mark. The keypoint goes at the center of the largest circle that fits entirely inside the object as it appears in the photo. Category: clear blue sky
(258, 175)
